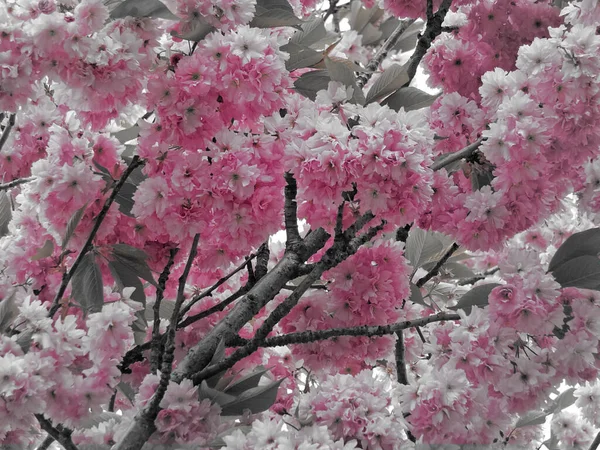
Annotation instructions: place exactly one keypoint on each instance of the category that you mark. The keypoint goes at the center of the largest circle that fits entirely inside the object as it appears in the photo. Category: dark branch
(135, 162)
(434, 271)
(17, 182)
(6, 132)
(156, 348)
(46, 443)
(290, 212)
(213, 309)
(400, 362)
(58, 433)
(596, 442)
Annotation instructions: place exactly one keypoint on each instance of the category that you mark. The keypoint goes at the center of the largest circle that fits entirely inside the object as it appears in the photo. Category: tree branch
(376, 61)
(156, 348)
(460, 154)
(434, 271)
(58, 433)
(400, 362)
(17, 182)
(6, 132)
(432, 30)
(596, 442)
(290, 212)
(135, 162)
(46, 443)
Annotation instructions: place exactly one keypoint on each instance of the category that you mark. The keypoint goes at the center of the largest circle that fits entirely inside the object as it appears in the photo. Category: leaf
(127, 391)
(72, 225)
(581, 272)
(215, 396)
(339, 71)
(370, 34)
(256, 400)
(5, 213)
(125, 277)
(135, 260)
(124, 198)
(410, 99)
(128, 134)
(532, 418)
(25, 339)
(423, 246)
(45, 251)
(458, 270)
(246, 382)
(8, 312)
(300, 56)
(309, 83)
(194, 31)
(478, 296)
(143, 8)
(408, 40)
(564, 400)
(481, 178)
(579, 244)
(275, 17)
(392, 79)
(416, 296)
(312, 32)
(165, 310)
(361, 17)
(87, 285)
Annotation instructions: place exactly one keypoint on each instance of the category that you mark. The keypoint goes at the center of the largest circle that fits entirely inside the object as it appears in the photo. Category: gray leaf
(5, 213)
(392, 79)
(135, 260)
(143, 8)
(87, 285)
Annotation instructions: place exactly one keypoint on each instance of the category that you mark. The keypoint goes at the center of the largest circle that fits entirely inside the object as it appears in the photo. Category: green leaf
(309, 83)
(5, 213)
(124, 198)
(481, 177)
(194, 31)
(564, 400)
(72, 225)
(25, 339)
(215, 396)
(274, 17)
(125, 277)
(370, 34)
(416, 296)
(339, 71)
(423, 246)
(532, 418)
(256, 400)
(581, 272)
(579, 244)
(301, 56)
(8, 312)
(410, 99)
(128, 134)
(135, 260)
(45, 251)
(361, 17)
(312, 32)
(127, 391)
(246, 382)
(458, 270)
(87, 285)
(143, 8)
(408, 40)
(392, 79)
(478, 296)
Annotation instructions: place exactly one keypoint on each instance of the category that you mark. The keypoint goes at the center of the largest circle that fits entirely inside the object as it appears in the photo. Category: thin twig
(156, 348)
(434, 271)
(6, 132)
(456, 156)
(17, 182)
(135, 163)
(111, 402)
(58, 433)
(400, 362)
(374, 63)
(213, 309)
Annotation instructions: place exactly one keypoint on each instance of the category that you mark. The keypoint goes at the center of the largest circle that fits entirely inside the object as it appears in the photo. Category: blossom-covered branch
(457, 156)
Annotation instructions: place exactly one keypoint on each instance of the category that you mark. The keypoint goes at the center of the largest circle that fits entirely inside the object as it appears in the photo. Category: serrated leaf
(143, 8)
(8, 312)
(124, 277)
(87, 285)
(312, 32)
(127, 391)
(423, 246)
(478, 296)
(256, 400)
(72, 225)
(532, 418)
(408, 40)
(339, 71)
(392, 79)
(43, 252)
(309, 83)
(579, 244)
(581, 272)
(124, 198)
(215, 396)
(410, 99)
(194, 30)
(270, 18)
(135, 260)
(247, 382)
(416, 296)
(127, 134)
(5, 213)
(300, 56)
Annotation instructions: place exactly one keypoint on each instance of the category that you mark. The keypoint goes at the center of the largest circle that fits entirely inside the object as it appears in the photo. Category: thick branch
(434, 271)
(456, 156)
(432, 30)
(400, 362)
(290, 212)
(46, 443)
(58, 433)
(596, 443)
(17, 182)
(156, 345)
(6, 132)
(135, 162)
(374, 63)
